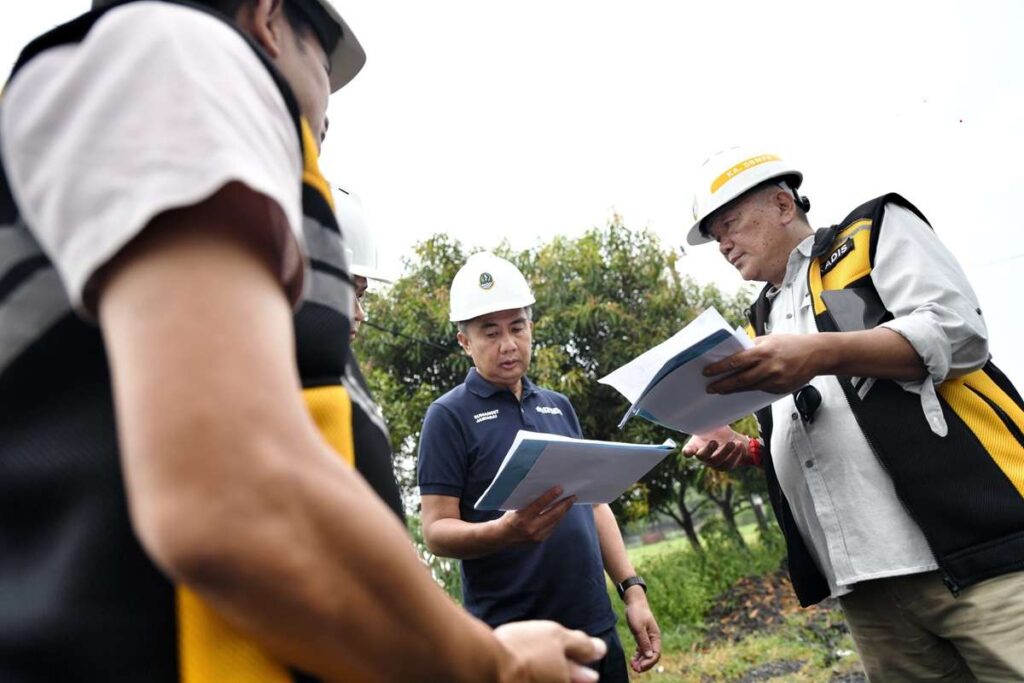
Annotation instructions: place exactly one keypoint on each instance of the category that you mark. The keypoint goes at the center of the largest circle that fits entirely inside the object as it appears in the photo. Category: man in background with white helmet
(177, 426)
(896, 464)
(361, 247)
(546, 560)
(364, 260)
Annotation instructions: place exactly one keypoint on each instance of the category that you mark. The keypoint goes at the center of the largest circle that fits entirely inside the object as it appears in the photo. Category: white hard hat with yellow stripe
(729, 174)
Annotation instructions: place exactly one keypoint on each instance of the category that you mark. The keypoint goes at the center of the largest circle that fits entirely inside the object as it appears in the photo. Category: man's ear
(786, 205)
(259, 19)
(463, 342)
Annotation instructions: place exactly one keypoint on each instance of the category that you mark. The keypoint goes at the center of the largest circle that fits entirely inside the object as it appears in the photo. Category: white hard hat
(485, 284)
(359, 240)
(728, 174)
(347, 56)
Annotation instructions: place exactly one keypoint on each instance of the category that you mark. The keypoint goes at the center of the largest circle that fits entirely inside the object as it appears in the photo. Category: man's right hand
(722, 449)
(543, 651)
(535, 522)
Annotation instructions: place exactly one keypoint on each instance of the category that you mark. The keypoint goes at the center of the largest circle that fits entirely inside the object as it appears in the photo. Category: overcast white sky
(525, 120)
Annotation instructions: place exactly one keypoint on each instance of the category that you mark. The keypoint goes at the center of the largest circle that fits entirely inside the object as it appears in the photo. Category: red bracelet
(754, 450)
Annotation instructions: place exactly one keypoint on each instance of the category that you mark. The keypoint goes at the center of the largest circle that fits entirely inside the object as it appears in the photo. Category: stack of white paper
(594, 471)
(667, 386)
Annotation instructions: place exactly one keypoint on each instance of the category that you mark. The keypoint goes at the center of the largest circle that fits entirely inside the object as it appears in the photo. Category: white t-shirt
(158, 108)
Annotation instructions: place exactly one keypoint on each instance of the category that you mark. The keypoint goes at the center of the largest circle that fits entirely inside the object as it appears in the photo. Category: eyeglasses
(808, 400)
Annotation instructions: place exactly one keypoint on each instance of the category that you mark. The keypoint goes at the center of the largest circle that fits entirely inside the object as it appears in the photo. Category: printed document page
(666, 383)
(595, 471)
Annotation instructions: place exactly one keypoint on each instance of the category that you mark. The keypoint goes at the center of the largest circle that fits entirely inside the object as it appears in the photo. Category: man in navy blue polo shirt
(545, 561)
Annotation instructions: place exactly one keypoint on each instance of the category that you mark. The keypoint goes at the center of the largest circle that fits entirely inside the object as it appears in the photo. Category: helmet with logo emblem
(486, 284)
(730, 174)
(345, 54)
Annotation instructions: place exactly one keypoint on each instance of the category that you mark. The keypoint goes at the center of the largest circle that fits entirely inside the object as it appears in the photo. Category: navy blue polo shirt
(465, 436)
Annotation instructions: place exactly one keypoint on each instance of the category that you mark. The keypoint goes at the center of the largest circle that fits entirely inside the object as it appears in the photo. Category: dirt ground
(758, 605)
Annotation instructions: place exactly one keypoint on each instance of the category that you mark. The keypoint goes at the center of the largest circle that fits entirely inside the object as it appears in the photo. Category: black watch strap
(628, 583)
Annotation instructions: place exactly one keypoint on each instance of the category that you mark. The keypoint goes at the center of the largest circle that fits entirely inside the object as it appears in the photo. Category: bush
(445, 570)
(682, 585)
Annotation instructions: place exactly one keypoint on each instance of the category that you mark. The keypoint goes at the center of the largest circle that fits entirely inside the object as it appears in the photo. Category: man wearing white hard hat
(177, 422)
(373, 456)
(364, 260)
(546, 560)
(895, 456)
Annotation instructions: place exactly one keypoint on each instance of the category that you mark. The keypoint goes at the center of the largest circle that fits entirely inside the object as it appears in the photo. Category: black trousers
(612, 668)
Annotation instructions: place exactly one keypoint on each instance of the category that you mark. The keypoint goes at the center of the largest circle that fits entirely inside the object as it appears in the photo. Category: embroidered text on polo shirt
(483, 417)
(546, 410)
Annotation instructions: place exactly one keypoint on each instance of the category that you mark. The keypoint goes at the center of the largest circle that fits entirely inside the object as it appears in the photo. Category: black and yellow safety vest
(964, 490)
(79, 599)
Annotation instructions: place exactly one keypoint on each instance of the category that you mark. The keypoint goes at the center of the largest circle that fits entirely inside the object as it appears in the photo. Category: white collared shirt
(842, 499)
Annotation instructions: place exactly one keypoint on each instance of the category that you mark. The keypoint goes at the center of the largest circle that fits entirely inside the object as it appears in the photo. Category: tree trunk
(687, 523)
(756, 504)
(725, 504)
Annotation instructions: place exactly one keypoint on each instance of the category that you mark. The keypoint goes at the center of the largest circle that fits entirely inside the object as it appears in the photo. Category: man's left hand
(779, 364)
(645, 630)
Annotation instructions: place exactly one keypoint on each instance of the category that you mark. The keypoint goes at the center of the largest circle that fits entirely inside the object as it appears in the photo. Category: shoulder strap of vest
(874, 210)
(823, 239)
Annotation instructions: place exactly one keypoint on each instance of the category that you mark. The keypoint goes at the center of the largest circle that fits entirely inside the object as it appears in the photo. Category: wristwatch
(628, 583)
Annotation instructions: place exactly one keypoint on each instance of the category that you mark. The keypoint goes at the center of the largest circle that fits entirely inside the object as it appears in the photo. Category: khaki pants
(911, 628)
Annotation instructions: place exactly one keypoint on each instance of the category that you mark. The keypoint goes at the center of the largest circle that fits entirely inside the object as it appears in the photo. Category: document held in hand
(667, 386)
(594, 471)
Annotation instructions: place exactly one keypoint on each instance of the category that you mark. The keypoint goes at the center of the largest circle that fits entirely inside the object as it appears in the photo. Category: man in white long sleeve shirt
(896, 467)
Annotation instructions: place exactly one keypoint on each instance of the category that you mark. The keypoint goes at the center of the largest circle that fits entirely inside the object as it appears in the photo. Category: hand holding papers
(593, 471)
(667, 386)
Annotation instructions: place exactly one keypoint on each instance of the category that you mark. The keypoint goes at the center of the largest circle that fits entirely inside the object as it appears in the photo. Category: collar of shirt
(484, 389)
(795, 266)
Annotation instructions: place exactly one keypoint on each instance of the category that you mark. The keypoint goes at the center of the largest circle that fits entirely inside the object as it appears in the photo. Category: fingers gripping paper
(667, 386)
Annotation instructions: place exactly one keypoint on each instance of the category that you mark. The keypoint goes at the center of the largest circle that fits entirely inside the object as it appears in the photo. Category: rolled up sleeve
(934, 307)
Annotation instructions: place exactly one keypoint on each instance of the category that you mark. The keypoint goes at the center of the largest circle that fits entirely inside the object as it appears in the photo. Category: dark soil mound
(756, 604)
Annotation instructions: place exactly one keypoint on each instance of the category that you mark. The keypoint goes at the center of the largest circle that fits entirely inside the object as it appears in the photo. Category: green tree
(408, 348)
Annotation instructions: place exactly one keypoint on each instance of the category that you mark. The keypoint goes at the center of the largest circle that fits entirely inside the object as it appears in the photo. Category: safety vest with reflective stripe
(964, 490)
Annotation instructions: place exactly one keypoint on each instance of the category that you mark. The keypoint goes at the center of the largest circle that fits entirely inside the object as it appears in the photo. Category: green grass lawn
(679, 542)
(643, 552)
